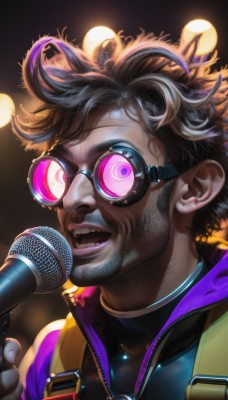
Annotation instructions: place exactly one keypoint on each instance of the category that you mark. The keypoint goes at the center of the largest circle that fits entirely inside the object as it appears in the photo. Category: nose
(80, 193)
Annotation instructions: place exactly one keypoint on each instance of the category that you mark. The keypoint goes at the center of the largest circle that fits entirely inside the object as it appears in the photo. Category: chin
(91, 275)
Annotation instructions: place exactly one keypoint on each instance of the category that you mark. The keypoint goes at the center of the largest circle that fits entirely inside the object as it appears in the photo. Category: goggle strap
(167, 172)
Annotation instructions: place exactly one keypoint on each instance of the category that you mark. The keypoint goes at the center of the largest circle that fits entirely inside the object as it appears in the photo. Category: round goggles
(120, 176)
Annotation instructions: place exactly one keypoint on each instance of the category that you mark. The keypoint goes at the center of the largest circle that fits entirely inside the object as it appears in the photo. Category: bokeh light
(208, 39)
(6, 109)
(96, 36)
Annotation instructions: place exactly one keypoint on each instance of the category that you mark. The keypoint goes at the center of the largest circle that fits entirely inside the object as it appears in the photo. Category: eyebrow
(97, 149)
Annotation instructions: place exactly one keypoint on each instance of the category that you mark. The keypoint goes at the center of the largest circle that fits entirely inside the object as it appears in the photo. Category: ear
(199, 186)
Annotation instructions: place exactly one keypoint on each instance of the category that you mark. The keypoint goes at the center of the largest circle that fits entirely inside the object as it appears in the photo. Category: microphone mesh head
(53, 269)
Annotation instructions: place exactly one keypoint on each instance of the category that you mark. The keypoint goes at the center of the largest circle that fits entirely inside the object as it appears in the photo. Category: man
(138, 232)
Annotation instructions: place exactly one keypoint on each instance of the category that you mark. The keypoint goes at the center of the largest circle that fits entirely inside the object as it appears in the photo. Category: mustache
(94, 218)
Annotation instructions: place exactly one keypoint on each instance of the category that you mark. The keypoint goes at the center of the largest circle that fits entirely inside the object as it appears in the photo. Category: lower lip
(87, 251)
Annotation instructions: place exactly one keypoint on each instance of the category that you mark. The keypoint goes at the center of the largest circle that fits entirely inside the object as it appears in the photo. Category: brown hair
(176, 95)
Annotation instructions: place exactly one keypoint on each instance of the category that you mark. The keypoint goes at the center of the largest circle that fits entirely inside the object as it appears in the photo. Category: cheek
(123, 220)
(154, 224)
(153, 218)
(60, 214)
(127, 222)
(131, 219)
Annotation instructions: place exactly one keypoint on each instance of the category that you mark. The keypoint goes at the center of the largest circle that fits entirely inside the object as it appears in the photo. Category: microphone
(39, 260)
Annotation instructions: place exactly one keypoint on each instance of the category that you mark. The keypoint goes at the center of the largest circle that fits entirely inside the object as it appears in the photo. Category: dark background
(22, 22)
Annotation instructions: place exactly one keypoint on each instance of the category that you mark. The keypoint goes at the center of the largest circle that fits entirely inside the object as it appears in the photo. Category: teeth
(83, 231)
(84, 246)
(89, 237)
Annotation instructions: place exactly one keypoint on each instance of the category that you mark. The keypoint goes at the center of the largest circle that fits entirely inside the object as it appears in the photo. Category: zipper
(73, 307)
(158, 346)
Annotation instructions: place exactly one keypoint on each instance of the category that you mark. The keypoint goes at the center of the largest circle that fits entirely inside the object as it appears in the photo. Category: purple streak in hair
(36, 50)
(172, 57)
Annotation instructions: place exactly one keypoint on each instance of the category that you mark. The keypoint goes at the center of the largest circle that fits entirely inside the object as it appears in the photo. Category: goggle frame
(144, 175)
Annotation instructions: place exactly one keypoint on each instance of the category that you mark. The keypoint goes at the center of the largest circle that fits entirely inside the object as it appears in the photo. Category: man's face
(109, 241)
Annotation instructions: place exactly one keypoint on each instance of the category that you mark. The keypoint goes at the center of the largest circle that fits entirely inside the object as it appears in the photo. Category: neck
(171, 297)
(155, 279)
(141, 326)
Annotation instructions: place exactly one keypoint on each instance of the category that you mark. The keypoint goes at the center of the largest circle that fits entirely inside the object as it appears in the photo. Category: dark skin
(127, 275)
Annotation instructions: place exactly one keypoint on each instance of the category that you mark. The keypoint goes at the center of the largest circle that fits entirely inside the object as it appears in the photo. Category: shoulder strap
(70, 350)
(68, 355)
(210, 373)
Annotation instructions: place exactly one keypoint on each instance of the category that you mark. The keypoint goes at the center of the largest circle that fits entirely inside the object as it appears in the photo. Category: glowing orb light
(96, 36)
(6, 109)
(208, 39)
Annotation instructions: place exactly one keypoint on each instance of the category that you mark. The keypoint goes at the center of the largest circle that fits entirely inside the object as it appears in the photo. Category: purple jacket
(210, 290)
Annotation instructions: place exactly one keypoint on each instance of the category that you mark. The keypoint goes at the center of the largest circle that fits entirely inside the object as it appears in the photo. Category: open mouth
(85, 238)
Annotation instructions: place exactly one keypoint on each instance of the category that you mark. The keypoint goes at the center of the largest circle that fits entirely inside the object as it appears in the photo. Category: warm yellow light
(208, 39)
(96, 36)
(6, 109)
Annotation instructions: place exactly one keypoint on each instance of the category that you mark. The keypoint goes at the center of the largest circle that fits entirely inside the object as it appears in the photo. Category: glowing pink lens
(115, 175)
(48, 181)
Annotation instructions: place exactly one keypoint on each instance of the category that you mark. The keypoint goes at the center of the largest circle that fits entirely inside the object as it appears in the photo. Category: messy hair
(177, 95)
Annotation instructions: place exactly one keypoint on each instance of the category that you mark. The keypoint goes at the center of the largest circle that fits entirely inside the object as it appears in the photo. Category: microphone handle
(17, 282)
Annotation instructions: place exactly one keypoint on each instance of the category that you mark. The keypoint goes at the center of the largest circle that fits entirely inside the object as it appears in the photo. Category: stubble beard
(154, 227)
(89, 275)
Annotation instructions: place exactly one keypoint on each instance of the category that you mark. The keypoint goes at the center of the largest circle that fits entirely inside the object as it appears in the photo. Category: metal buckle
(64, 381)
(155, 173)
(203, 387)
(212, 379)
(123, 396)
(69, 396)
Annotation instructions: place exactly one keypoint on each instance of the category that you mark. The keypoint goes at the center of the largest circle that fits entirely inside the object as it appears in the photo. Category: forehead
(114, 126)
